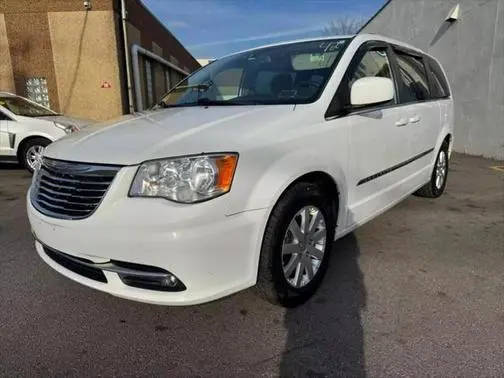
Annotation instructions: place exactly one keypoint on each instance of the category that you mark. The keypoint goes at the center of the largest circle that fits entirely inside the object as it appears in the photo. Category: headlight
(186, 179)
(67, 128)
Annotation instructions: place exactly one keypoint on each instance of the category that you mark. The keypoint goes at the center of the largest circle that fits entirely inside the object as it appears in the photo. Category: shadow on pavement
(325, 336)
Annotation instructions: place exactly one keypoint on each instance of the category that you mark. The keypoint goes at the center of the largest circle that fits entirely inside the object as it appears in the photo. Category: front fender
(20, 137)
(263, 179)
(263, 176)
(286, 171)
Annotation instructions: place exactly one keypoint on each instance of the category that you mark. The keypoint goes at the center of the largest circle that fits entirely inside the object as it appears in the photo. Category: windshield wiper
(206, 101)
(201, 87)
(201, 101)
(165, 105)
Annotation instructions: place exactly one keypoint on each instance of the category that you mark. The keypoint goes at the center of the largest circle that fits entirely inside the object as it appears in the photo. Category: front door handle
(415, 119)
(402, 122)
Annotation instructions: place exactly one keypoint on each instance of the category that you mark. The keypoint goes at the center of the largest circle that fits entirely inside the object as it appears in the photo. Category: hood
(67, 121)
(168, 132)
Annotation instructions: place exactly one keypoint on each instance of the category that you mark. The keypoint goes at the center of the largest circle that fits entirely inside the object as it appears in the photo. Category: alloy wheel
(34, 156)
(441, 169)
(304, 246)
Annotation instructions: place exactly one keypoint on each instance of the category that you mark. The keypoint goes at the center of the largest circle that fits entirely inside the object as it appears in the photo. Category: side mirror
(371, 90)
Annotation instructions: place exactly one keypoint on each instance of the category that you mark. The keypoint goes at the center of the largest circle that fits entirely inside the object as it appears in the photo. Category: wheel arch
(331, 185)
(25, 140)
(448, 139)
(325, 181)
(442, 139)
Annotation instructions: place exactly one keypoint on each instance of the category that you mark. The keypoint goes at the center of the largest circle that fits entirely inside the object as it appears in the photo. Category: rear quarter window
(413, 77)
(439, 84)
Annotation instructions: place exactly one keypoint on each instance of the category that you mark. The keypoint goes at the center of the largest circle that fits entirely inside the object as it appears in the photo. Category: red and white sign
(106, 84)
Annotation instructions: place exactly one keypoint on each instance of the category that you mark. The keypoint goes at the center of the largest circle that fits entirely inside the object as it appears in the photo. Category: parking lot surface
(417, 291)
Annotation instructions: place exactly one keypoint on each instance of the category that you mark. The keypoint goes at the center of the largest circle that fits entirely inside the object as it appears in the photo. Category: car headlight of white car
(186, 179)
(67, 128)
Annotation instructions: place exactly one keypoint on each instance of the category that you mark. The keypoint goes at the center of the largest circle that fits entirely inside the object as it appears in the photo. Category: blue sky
(212, 28)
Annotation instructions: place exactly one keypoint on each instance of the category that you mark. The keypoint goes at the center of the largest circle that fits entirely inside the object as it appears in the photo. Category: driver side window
(374, 63)
(369, 61)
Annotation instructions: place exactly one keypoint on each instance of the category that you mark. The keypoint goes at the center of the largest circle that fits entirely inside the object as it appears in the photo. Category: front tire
(296, 246)
(32, 151)
(437, 184)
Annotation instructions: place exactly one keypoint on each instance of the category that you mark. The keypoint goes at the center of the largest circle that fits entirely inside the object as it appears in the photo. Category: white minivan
(246, 172)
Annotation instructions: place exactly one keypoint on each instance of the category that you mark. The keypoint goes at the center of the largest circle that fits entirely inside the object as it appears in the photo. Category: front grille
(70, 190)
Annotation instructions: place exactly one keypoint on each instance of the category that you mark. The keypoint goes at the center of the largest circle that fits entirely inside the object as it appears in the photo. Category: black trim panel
(395, 167)
(80, 266)
(12, 140)
(10, 159)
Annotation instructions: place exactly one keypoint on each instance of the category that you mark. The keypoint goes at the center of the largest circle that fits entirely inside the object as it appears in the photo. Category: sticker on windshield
(332, 45)
(317, 58)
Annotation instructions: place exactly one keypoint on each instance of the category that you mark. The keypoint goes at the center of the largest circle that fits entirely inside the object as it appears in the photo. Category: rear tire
(437, 184)
(32, 150)
(294, 260)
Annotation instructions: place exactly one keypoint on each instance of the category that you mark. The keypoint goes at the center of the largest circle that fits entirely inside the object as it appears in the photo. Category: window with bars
(37, 91)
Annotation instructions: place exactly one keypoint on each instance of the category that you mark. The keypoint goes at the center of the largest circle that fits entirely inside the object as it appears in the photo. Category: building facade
(70, 55)
(471, 49)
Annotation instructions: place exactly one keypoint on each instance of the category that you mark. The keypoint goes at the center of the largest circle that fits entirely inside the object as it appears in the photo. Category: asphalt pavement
(419, 291)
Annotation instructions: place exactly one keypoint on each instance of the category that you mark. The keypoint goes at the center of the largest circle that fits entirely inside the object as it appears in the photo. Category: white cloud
(285, 33)
(177, 24)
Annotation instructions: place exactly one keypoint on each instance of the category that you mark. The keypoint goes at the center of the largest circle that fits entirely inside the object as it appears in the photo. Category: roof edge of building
(141, 3)
(382, 8)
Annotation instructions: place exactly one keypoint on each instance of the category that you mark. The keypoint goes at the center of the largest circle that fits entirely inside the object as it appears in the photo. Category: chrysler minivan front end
(121, 235)
(167, 207)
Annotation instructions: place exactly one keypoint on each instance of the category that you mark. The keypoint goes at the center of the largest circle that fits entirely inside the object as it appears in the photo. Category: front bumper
(214, 255)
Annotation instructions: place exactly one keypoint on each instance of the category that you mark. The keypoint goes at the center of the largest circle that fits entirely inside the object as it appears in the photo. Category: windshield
(287, 74)
(23, 107)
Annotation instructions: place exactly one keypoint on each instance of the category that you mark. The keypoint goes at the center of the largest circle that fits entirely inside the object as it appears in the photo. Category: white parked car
(246, 172)
(26, 128)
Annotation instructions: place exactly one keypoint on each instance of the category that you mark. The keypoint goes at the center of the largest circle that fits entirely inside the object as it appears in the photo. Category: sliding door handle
(402, 122)
(415, 119)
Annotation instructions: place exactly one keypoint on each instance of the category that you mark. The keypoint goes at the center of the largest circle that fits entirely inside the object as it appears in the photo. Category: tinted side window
(413, 78)
(439, 85)
(369, 61)
(3, 117)
(374, 63)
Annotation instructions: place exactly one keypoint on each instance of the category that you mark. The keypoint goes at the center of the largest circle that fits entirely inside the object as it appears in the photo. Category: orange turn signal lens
(226, 166)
